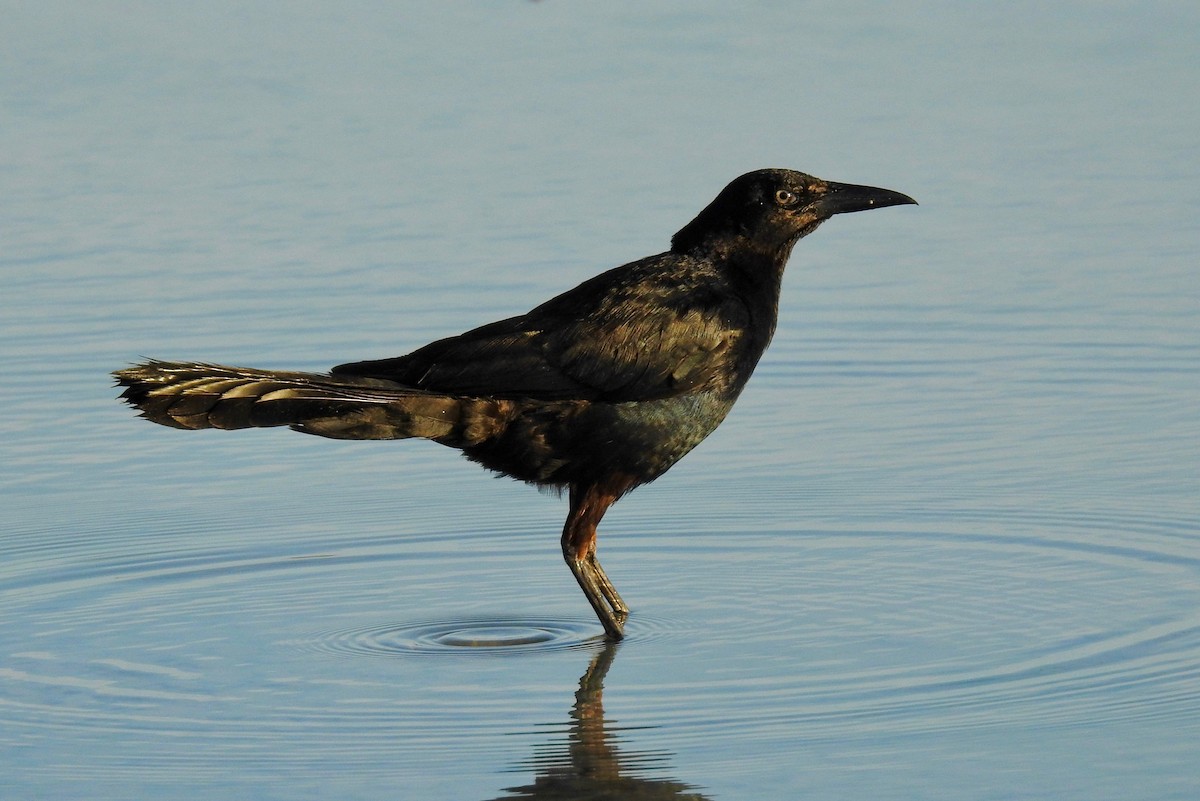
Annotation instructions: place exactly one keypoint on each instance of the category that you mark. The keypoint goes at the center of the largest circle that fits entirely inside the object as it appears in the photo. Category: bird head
(767, 211)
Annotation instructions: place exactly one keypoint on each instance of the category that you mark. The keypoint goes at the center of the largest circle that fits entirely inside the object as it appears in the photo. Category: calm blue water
(946, 547)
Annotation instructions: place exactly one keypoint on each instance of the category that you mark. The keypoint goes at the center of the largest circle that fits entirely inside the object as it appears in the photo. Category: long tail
(193, 395)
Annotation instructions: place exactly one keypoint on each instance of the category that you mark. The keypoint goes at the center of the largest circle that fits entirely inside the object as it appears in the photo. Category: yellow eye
(785, 197)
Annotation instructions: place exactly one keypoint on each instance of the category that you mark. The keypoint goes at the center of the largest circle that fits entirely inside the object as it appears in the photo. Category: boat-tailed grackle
(597, 391)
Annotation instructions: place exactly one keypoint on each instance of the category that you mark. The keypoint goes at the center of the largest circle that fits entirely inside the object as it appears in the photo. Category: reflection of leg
(590, 763)
(592, 747)
(591, 683)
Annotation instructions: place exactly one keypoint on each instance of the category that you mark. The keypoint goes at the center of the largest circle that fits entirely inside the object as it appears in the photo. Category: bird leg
(606, 587)
(588, 505)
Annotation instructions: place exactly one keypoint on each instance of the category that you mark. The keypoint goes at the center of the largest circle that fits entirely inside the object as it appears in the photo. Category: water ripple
(481, 636)
(821, 631)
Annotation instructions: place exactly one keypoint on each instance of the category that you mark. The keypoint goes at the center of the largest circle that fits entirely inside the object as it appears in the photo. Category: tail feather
(194, 395)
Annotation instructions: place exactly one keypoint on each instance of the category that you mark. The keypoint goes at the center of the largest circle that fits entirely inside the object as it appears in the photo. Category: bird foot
(601, 594)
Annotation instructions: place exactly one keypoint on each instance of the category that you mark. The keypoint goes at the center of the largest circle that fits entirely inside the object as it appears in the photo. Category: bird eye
(785, 197)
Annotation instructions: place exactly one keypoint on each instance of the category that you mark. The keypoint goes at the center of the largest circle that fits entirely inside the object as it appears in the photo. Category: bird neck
(758, 280)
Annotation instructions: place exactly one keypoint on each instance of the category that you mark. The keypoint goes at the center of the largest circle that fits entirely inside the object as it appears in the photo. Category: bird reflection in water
(590, 766)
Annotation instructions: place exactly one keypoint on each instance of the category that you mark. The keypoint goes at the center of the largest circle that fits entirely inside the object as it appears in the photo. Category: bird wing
(504, 359)
(635, 333)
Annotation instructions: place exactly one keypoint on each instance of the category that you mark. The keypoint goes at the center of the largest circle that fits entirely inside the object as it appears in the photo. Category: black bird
(596, 391)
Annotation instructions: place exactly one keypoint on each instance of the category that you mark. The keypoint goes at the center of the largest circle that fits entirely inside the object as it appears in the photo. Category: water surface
(946, 545)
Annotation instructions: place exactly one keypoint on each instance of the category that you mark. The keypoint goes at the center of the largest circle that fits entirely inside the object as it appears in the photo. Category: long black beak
(844, 198)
